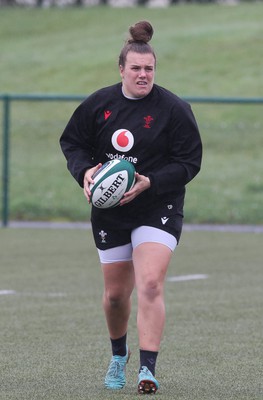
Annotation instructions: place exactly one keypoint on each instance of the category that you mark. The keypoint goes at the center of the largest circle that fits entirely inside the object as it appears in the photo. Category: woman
(151, 127)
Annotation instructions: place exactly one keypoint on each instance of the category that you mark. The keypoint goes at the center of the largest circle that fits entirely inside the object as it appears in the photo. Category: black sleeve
(77, 143)
(185, 153)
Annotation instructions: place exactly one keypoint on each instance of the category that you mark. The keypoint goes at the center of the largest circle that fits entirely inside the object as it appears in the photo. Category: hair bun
(141, 32)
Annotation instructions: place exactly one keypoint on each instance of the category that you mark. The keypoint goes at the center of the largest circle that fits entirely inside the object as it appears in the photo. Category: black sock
(119, 346)
(148, 359)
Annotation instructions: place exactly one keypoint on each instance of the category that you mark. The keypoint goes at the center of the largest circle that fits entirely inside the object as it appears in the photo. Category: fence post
(5, 182)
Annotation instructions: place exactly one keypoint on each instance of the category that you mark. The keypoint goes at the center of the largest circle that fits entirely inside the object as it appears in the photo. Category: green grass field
(202, 50)
(53, 339)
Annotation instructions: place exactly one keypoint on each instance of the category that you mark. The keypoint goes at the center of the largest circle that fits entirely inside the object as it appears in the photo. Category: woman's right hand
(88, 180)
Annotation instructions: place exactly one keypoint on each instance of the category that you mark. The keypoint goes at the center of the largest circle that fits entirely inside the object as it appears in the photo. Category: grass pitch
(53, 339)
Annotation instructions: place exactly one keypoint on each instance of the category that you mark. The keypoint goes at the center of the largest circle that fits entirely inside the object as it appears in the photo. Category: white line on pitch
(3, 292)
(7, 292)
(183, 278)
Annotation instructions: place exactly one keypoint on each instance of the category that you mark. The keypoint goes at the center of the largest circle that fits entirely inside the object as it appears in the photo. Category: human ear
(121, 69)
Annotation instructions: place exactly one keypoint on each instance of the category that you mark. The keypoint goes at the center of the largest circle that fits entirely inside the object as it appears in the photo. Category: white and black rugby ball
(111, 181)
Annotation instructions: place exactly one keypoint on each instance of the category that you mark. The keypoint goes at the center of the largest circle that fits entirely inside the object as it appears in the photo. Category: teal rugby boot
(147, 383)
(115, 377)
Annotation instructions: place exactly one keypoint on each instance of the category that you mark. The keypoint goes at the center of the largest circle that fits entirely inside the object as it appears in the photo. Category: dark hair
(141, 33)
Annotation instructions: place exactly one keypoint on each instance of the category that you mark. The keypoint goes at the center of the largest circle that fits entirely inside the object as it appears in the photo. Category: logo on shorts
(103, 236)
(164, 220)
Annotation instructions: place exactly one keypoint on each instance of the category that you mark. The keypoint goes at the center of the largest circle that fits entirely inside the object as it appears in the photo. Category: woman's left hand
(141, 183)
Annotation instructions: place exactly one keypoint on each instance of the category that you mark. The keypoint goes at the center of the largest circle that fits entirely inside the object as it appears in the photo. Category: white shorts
(143, 234)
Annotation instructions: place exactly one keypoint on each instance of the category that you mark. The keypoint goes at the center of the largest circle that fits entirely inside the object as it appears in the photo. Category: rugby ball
(111, 181)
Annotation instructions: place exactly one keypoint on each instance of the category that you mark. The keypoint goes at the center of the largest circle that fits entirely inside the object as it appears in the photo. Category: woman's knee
(151, 290)
(116, 298)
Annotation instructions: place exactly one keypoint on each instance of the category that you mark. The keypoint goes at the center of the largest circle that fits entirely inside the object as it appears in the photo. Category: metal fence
(7, 103)
(110, 3)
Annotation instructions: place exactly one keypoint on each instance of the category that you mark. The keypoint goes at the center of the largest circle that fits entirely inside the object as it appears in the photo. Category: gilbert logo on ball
(111, 181)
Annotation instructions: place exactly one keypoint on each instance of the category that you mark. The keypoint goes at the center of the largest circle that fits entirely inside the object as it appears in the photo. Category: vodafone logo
(122, 140)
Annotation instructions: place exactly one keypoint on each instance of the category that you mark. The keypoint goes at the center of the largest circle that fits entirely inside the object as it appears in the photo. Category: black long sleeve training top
(157, 133)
